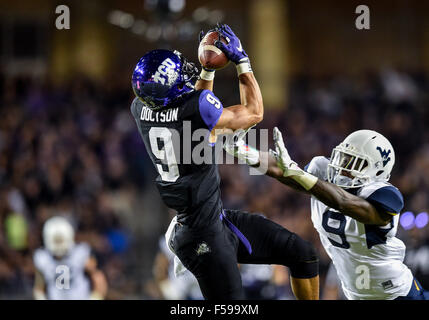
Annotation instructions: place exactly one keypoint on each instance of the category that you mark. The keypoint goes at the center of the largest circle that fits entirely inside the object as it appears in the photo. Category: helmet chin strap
(347, 182)
(344, 181)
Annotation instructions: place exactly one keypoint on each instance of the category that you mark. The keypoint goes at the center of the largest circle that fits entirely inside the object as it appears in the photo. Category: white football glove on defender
(237, 147)
(290, 168)
(284, 161)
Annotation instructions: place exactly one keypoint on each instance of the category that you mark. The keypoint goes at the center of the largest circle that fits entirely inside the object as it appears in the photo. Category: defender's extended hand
(237, 147)
(235, 142)
(284, 161)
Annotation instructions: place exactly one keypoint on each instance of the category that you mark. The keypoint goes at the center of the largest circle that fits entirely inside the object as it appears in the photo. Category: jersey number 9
(165, 155)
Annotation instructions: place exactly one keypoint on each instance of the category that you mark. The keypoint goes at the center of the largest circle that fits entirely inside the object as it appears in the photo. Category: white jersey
(65, 279)
(368, 258)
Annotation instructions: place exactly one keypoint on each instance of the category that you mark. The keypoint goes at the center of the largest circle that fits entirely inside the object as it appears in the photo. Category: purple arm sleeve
(210, 109)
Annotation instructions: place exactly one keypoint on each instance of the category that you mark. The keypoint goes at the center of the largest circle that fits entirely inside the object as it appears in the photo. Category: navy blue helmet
(162, 77)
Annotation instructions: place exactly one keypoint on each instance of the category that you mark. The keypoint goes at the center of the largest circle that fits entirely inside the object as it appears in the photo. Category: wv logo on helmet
(384, 155)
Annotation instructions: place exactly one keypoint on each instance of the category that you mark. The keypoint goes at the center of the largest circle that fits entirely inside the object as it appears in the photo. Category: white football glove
(284, 161)
(234, 141)
(289, 167)
(237, 147)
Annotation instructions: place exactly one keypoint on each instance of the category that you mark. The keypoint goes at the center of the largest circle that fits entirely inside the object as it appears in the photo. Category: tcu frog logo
(166, 73)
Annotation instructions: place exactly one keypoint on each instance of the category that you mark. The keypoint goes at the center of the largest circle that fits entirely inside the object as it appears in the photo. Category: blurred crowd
(67, 150)
(73, 149)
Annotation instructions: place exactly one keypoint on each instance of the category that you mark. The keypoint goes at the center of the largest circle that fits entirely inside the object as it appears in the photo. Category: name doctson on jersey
(169, 115)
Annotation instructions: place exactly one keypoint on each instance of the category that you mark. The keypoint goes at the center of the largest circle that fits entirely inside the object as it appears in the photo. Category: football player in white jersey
(354, 209)
(65, 270)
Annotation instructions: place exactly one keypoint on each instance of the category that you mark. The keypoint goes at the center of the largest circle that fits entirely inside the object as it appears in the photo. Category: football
(210, 56)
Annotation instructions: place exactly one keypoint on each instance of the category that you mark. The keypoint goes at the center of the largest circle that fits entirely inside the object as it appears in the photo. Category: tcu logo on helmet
(165, 72)
(384, 155)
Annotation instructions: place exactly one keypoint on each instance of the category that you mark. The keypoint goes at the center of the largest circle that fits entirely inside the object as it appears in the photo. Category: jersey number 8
(340, 219)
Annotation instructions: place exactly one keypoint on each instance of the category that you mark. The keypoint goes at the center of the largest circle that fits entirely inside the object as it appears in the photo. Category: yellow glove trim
(306, 180)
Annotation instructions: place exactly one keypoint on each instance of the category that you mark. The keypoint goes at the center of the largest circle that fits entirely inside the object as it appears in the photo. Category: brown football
(210, 56)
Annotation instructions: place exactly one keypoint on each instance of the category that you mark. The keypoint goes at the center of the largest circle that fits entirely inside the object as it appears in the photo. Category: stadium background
(68, 143)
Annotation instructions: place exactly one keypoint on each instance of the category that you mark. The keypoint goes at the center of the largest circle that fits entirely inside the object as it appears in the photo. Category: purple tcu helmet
(161, 77)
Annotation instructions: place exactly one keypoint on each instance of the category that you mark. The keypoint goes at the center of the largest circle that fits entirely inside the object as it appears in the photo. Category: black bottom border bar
(160, 310)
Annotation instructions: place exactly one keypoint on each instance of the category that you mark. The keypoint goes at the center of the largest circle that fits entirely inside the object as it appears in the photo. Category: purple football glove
(232, 49)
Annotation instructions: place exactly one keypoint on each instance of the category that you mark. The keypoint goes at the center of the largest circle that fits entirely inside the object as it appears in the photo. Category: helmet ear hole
(379, 172)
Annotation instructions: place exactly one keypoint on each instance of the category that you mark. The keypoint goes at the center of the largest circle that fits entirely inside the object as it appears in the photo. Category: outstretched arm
(283, 168)
(349, 204)
(275, 172)
(251, 109)
(330, 194)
